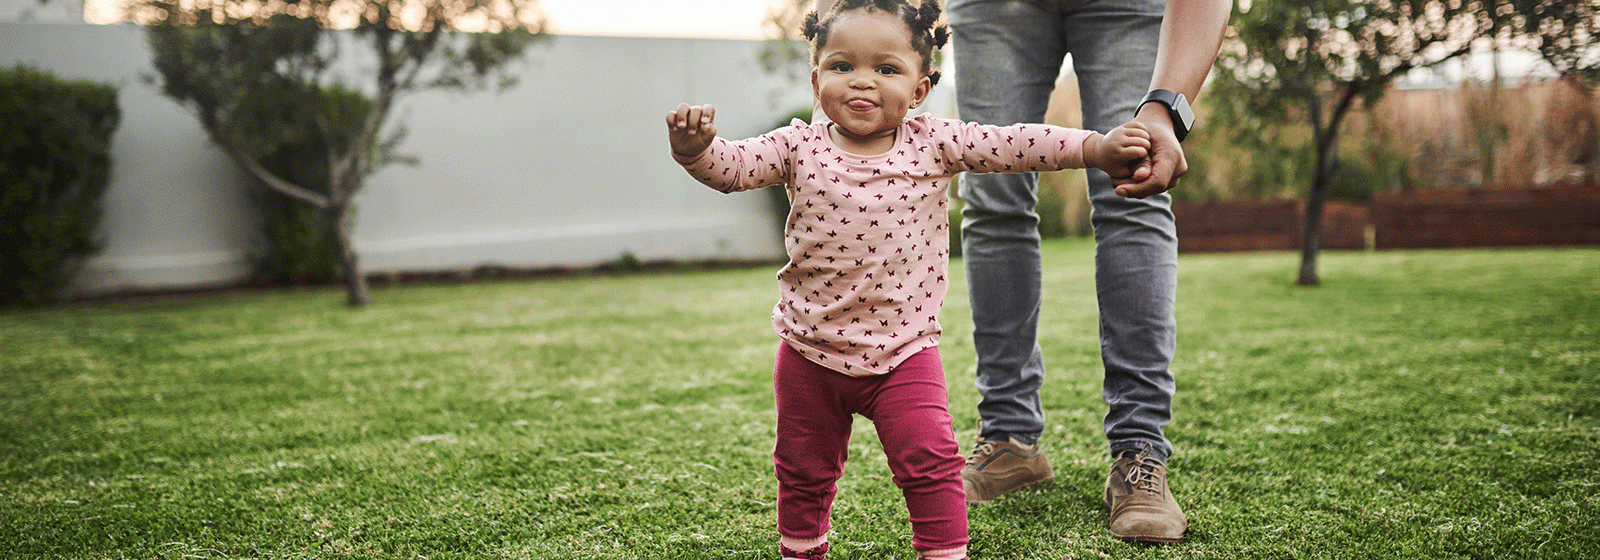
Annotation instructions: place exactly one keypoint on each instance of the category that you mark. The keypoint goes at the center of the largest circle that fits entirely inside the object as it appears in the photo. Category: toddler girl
(868, 244)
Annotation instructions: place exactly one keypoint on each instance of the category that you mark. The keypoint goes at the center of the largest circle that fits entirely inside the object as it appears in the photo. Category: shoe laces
(1143, 474)
(982, 449)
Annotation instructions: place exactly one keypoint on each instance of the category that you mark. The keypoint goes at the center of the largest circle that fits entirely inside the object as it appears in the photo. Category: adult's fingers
(1167, 164)
(1159, 180)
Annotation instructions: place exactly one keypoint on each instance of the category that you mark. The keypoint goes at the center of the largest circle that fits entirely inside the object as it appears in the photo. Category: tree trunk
(355, 283)
(1311, 229)
(1311, 232)
(1327, 145)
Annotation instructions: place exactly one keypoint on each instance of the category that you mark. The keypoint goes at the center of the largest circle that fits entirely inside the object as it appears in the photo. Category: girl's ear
(924, 86)
(816, 89)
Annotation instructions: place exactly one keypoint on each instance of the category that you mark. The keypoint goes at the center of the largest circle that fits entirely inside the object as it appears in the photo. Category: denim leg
(1135, 240)
(1007, 57)
(1008, 54)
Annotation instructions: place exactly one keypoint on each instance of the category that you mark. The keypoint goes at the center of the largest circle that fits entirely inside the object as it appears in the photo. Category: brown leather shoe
(997, 467)
(1142, 508)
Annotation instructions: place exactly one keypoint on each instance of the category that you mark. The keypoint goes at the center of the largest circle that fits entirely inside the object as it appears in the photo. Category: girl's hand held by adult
(1122, 152)
(690, 130)
(1166, 164)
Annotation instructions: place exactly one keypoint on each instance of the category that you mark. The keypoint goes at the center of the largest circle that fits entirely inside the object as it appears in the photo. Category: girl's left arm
(1018, 148)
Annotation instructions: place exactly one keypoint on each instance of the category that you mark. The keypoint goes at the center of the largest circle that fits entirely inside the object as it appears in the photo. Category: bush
(55, 164)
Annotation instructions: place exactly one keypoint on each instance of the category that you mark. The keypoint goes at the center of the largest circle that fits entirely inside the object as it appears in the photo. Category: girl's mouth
(860, 105)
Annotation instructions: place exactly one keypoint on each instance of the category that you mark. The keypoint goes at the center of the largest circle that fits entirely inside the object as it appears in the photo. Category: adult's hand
(1159, 172)
(1191, 33)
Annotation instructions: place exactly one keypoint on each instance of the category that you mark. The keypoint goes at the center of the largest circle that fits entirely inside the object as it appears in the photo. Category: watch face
(1181, 109)
(1177, 109)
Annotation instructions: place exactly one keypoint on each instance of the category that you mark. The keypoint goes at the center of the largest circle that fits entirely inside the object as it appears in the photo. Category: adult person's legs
(1136, 243)
(1113, 47)
(1008, 54)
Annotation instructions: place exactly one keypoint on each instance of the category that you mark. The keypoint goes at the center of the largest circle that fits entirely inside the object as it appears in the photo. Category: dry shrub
(1528, 135)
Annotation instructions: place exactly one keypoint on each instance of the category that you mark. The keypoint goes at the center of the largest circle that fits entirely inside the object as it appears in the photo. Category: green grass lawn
(1431, 404)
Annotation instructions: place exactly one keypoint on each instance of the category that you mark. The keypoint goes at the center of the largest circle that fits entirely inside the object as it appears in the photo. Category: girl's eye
(887, 70)
(841, 67)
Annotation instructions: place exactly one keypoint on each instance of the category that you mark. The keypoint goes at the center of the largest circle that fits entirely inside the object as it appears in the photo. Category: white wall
(176, 213)
(570, 168)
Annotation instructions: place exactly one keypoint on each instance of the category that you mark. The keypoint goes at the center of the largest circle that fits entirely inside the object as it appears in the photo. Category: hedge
(55, 165)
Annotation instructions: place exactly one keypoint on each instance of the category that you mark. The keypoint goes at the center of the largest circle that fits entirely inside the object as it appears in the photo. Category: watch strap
(1177, 109)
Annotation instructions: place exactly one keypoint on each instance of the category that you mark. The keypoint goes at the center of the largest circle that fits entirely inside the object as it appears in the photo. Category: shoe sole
(1013, 489)
(1144, 539)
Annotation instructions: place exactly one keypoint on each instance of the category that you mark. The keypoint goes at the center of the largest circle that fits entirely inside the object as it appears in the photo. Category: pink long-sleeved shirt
(868, 236)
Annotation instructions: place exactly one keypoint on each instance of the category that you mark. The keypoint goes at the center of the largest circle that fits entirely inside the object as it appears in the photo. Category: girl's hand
(1123, 153)
(690, 130)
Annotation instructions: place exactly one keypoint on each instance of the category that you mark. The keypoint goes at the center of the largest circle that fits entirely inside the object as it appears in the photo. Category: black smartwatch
(1177, 108)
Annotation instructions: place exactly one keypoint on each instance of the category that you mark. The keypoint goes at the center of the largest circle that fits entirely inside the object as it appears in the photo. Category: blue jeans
(1008, 54)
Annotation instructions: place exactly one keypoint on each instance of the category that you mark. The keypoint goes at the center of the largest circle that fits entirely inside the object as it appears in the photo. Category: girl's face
(867, 78)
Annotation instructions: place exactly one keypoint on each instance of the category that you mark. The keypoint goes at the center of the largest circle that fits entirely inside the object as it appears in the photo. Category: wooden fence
(1266, 225)
(1565, 215)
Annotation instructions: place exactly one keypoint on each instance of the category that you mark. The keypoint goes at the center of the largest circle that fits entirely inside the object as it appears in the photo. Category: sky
(727, 19)
(738, 19)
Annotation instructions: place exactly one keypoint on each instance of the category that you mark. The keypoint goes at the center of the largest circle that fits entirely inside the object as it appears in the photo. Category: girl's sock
(807, 549)
(959, 553)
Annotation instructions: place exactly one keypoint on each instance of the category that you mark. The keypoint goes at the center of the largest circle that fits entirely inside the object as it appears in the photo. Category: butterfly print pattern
(868, 237)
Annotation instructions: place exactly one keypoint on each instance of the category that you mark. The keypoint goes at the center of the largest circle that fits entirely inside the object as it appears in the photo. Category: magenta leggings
(910, 408)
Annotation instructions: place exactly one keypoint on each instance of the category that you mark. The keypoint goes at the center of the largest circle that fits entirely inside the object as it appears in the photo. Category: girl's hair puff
(928, 34)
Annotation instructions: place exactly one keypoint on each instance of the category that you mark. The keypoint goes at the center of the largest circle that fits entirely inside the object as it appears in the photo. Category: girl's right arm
(727, 166)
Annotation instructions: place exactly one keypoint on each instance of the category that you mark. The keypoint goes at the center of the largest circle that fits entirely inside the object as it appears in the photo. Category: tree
(1565, 32)
(786, 50)
(217, 58)
(1315, 59)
